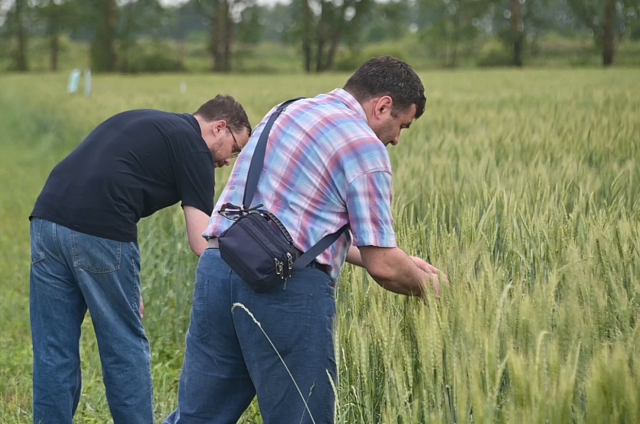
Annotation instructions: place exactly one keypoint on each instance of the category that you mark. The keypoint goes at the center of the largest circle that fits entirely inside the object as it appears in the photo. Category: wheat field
(522, 186)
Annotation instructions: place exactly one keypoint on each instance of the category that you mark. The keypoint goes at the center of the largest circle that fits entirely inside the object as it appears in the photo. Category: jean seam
(133, 269)
(202, 295)
(56, 243)
(39, 253)
(78, 383)
(311, 297)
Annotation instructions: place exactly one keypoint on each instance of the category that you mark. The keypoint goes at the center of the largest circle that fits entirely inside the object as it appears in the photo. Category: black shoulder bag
(257, 246)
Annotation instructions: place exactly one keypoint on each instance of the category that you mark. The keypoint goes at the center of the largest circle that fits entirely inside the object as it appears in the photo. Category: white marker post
(74, 80)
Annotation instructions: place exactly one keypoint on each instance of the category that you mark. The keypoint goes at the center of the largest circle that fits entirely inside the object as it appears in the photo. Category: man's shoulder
(338, 122)
(181, 129)
(162, 120)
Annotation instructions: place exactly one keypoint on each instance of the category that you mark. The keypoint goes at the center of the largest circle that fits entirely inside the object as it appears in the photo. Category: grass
(523, 186)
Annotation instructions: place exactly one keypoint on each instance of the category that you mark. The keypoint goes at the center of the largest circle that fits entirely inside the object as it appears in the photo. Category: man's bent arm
(354, 257)
(197, 222)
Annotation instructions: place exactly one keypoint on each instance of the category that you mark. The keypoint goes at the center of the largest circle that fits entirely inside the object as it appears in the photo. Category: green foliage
(348, 61)
(251, 27)
(154, 62)
(494, 53)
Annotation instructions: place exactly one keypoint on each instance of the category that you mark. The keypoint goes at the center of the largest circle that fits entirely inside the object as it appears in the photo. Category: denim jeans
(70, 273)
(229, 360)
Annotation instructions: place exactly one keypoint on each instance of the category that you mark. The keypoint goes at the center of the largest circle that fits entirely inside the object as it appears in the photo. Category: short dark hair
(388, 76)
(228, 109)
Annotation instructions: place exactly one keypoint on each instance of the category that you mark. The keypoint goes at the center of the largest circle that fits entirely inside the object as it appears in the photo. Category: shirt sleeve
(369, 208)
(196, 181)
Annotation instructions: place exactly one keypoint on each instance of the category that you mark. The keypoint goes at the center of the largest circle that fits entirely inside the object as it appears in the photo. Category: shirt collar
(350, 101)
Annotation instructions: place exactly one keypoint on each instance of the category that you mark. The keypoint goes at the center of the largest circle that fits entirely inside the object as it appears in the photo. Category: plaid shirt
(324, 167)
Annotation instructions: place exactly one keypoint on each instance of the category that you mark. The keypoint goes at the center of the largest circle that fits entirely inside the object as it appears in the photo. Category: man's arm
(197, 222)
(368, 198)
(395, 271)
(354, 257)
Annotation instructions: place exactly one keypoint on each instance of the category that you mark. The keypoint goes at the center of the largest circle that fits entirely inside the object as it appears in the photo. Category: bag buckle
(233, 212)
(279, 268)
(290, 263)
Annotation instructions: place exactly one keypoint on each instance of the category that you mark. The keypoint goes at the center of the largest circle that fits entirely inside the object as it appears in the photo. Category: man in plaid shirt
(326, 165)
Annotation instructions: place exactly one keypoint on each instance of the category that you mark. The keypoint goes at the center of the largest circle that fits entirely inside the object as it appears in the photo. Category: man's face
(229, 145)
(387, 123)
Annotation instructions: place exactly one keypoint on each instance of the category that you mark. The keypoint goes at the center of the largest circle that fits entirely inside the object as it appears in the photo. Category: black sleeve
(196, 180)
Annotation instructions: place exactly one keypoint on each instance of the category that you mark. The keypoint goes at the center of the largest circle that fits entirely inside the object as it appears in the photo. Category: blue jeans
(229, 360)
(70, 273)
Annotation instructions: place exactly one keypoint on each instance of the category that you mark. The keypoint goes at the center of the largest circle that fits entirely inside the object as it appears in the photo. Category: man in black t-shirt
(84, 249)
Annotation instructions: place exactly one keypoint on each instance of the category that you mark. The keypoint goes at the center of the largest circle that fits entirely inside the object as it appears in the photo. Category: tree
(220, 13)
(16, 27)
(604, 17)
(517, 31)
(515, 20)
(452, 22)
(58, 16)
(387, 21)
(104, 15)
(321, 26)
(251, 27)
(142, 17)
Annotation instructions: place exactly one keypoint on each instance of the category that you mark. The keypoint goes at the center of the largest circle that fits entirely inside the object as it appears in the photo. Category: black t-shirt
(132, 165)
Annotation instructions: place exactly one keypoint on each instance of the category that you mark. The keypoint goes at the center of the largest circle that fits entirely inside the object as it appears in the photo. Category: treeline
(319, 30)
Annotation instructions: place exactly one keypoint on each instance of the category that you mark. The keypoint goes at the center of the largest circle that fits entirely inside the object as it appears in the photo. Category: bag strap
(257, 160)
(255, 169)
(306, 258)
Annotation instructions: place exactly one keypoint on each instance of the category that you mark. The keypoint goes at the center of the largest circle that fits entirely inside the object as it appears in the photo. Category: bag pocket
(251, 251)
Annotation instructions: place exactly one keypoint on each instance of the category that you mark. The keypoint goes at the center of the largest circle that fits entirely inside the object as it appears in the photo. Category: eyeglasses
(236, 147)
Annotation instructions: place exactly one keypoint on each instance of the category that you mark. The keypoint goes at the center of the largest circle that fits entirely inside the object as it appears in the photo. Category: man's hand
(141, 308)
(424, 265)
(432, 272)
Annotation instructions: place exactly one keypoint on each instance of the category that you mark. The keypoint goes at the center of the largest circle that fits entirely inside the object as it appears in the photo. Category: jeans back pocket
(95, 254)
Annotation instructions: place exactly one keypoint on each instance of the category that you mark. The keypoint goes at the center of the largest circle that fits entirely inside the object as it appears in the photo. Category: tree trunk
(321, 37)
(340, 22)
(445, 54)
(126, 40)
(456, 34)
(228, 39)
(608, 32)
(307, 29)
(103, 53)
(216, 36)
(21, 33)
(54, 41)
(320, 54)
(517, 28)
(181, 42)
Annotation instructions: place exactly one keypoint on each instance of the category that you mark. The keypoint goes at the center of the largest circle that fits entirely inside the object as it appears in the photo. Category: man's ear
(383, 107)
(218, 126)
